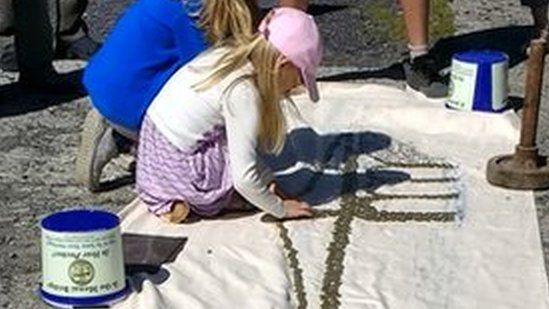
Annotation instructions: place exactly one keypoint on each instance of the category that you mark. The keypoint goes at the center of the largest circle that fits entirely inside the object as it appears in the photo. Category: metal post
(527, 151)
(525, 169)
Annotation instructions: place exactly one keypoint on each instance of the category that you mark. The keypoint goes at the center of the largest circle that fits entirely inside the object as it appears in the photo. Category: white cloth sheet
(486, 253)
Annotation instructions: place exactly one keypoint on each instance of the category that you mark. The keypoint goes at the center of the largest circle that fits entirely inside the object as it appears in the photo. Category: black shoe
(52, 83)
(82, 49)
(8, 59)
(423, 79)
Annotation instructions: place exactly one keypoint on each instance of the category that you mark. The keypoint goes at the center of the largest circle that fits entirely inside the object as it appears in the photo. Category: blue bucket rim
(481, 56)
(80, 220)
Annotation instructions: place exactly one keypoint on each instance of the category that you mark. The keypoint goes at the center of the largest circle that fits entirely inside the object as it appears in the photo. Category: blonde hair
(228, 21)
(266, 61)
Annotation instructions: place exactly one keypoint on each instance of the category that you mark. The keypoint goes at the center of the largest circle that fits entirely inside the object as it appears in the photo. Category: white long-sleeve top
(183, 114)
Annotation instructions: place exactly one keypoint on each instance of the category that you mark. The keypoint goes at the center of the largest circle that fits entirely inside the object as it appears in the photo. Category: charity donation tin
(82, 260)
(478, 81)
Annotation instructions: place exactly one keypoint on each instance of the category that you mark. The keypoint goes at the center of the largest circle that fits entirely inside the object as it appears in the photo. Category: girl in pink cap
(200, 136)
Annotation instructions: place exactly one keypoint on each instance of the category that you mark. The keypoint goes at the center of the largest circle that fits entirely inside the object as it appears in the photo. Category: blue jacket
(151, 40)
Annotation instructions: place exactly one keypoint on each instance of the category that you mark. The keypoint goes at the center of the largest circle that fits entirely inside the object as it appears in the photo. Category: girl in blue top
(151, 40)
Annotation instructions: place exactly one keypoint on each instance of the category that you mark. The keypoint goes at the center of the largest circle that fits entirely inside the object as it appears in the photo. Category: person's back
(151, 40)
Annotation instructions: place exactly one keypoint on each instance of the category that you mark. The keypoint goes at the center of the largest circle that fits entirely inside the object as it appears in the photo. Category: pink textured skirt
(199, 176)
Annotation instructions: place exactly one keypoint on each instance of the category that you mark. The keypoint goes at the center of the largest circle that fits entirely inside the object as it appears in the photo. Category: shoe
(8, 59)
(424, 81)
(98, 147)
(82, 49)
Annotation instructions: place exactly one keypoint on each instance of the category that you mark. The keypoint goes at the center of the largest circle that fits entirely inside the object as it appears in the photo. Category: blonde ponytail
(228, 21)
(266, 61)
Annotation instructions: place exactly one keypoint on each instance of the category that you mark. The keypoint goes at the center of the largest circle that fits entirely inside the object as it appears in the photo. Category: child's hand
(296, 209)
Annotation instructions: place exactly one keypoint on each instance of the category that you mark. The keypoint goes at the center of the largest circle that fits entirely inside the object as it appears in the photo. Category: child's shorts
(200, 176)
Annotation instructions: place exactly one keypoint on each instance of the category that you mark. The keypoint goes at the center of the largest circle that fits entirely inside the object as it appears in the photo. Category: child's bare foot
(180, 211)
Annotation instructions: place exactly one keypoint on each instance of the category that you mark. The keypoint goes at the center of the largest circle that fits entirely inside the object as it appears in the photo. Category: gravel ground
(39, 134)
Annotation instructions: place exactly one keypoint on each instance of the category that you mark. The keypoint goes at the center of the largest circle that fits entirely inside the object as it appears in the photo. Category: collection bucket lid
(481, 56)
(80, 220)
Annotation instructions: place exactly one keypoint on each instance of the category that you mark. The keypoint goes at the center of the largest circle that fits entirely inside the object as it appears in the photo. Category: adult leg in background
(73, 41)
(538, 8)
(8, 61)
(421, 77)
(34, 47)
(68, 34)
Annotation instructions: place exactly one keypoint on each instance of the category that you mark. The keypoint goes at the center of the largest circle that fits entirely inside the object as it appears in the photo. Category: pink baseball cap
(294, 33)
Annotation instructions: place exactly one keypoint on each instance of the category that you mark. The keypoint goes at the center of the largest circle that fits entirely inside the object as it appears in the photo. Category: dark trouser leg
(539, 14)
(72, 39)
(6, 18)
(71, 26)
(534, 3)
(540, 18)
(7, 26)
(33, 39)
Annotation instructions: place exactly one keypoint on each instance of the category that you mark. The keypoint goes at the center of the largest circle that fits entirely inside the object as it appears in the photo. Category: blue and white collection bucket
(478, 81)
(82, 260)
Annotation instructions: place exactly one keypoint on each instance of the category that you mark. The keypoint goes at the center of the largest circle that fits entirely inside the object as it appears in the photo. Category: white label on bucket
(462, 85)
(500, 87)
(85, 264)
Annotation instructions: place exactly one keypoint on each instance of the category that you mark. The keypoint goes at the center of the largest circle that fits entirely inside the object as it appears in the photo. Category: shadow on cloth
(512, 40)
(156, 276)
(225, 214)
(144, 256)
(328, 152)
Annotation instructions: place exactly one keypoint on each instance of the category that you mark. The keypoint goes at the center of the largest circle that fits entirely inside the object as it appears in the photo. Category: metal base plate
(505, 171)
